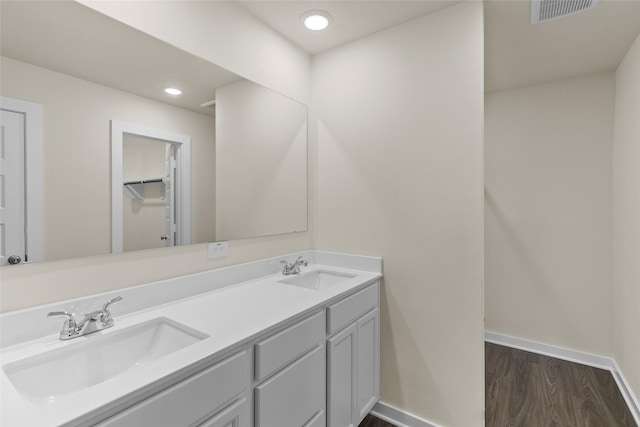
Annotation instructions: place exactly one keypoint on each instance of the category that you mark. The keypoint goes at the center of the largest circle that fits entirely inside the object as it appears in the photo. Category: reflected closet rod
(144, 181)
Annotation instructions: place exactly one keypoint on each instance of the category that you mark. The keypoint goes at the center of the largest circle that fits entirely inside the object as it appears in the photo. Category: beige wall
(548, 212)
(45, 282)
(626, 218)
(267, 59)
(399, 174)
(77, 153)
(261, 162)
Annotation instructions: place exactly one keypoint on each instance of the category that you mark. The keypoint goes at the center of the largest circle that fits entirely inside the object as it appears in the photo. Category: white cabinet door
(368, 363)
(353, 377)
(341, 377)
(295, 396)
(233, 416)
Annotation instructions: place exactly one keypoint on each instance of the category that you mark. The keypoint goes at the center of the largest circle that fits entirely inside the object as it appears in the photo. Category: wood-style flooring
(527, 389)
(371, 421)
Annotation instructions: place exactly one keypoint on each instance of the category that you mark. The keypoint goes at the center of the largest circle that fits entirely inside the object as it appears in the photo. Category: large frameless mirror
(247, 144)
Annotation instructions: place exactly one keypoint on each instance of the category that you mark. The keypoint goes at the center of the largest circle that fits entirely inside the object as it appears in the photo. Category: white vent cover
(546, 10)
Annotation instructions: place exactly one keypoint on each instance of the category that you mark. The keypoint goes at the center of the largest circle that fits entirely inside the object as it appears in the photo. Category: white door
(170, 195)
(12, 190)
(368, 364)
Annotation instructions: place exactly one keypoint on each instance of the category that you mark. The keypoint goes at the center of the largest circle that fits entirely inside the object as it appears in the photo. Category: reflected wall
(261, 169)
(77, 189)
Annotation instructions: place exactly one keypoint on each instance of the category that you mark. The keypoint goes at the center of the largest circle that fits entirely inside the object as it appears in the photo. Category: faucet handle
(287, 267)
(111, 301)
(70, 323)
(106, 314)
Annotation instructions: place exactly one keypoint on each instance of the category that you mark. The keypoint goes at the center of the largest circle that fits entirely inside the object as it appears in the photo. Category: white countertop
(231, 316)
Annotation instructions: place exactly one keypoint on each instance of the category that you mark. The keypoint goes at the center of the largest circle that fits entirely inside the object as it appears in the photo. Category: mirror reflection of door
(149, 193)
(12, 203)
(150, 188)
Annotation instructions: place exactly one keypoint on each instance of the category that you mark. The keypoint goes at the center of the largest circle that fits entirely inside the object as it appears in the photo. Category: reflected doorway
(21, 185)
(150, 188)
(149, 217)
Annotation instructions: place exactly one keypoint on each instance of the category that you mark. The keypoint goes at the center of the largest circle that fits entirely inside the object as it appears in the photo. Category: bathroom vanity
(235, 347)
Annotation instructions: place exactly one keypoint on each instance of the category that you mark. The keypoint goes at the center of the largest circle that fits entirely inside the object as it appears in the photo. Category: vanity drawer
(294, 397)
(350, 309)
(191, 400)
(282, 348)
(233, 416)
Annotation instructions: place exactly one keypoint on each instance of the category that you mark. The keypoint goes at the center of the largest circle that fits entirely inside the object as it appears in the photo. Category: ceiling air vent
(547, 10)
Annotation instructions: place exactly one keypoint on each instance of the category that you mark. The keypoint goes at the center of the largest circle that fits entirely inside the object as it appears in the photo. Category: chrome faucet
(92, 322)
(294, 267)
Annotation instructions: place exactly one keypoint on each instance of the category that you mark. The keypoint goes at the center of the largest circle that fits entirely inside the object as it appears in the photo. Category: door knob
(165, 237)
(14, 259)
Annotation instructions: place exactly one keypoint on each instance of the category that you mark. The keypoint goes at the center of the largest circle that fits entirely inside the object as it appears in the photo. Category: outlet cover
(218, 249)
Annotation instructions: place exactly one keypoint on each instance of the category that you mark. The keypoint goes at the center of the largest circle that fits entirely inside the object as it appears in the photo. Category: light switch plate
(218, 249)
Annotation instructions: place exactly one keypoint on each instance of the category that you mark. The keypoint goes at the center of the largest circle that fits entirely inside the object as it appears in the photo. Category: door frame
(183, 142)
(34, 172)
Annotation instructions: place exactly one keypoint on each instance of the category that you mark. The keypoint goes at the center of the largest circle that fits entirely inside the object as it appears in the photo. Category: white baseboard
(572, 356)
(398, 417)
(401, 418)
(549, 350)
(627, 393)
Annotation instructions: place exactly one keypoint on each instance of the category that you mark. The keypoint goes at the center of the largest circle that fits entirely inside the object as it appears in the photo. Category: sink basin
(318, 279)
(97, 358)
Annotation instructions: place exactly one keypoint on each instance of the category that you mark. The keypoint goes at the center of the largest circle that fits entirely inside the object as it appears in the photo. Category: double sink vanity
(239, 346)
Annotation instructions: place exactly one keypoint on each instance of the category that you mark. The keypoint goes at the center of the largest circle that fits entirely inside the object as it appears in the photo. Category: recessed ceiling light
(316, 20)
(173, 91)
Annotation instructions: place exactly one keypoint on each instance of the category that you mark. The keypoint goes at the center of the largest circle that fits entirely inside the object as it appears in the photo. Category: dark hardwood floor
(527, 389)
(371, 421)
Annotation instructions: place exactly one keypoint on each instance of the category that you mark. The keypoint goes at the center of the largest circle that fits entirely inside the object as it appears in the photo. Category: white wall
(221, 33)
(548, 212)
(398, 169)
(626, 218)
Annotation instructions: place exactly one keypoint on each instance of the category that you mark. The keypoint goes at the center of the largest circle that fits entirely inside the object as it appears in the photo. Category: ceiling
(517, 53)
(73, 39)
(350, 19)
